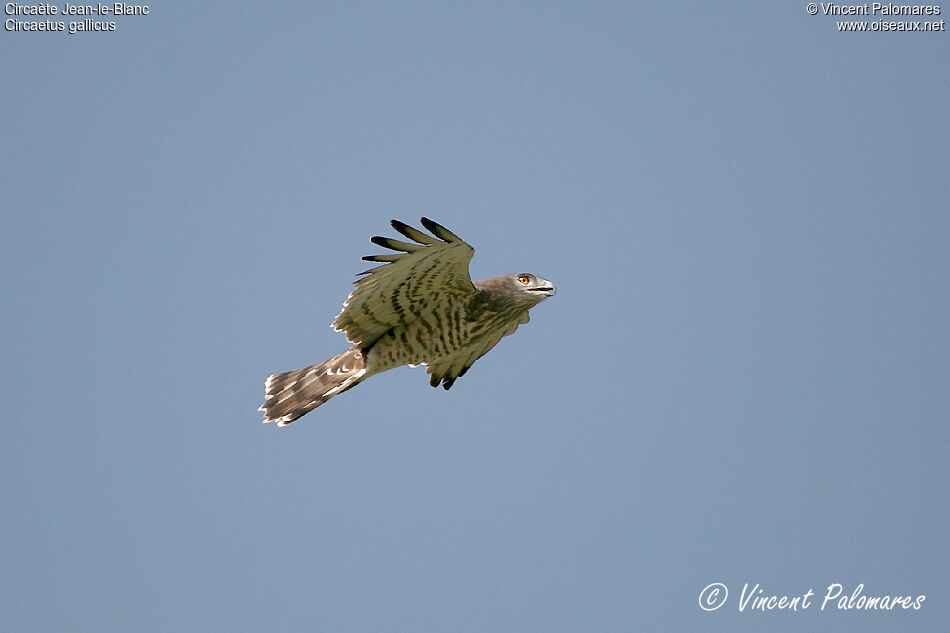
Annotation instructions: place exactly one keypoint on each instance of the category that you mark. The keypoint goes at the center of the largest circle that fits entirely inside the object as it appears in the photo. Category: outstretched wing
(428, 274)
(445, 369)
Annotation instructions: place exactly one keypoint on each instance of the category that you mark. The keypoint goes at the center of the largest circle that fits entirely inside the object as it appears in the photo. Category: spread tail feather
(295, 393)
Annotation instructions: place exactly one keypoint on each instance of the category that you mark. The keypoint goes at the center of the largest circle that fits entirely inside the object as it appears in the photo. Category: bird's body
(420, 307)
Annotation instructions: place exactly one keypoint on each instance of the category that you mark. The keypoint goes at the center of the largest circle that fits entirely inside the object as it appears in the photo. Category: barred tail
(295, 393)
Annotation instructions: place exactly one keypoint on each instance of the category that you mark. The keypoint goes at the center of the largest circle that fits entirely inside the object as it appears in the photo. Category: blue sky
(742, 379)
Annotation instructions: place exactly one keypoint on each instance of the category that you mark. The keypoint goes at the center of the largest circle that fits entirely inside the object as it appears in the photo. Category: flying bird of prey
(419, 307)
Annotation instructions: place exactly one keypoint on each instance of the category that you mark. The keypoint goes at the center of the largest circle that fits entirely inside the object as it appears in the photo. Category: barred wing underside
(445, 369)
(423, 277)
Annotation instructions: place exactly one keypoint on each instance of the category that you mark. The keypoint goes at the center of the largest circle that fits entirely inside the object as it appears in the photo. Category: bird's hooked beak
(546, 288)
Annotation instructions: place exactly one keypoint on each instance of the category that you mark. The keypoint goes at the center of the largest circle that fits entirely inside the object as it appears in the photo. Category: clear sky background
(744, 377)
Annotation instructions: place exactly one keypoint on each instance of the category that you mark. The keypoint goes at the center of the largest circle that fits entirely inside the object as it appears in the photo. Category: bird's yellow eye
(524, 279)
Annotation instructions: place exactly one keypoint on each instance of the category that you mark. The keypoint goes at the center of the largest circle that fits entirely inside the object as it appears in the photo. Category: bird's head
(529, 288)
(520, 291)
